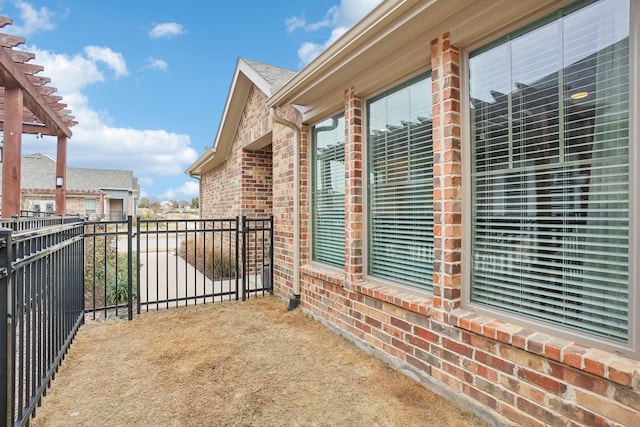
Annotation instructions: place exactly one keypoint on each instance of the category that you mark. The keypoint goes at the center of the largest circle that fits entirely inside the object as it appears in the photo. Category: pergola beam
(33, 99)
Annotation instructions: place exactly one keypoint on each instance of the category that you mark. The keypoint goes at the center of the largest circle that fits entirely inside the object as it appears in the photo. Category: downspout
(294, 300)
(199, 178)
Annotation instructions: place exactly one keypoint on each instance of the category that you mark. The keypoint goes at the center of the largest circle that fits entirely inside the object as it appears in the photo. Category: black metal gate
(188, 262)
(169, 263)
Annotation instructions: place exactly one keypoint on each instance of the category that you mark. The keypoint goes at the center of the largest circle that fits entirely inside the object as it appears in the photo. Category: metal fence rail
(41, 290)
(30, 222)
(257, 244)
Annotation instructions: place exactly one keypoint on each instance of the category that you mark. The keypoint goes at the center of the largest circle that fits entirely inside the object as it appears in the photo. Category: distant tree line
(178, 205)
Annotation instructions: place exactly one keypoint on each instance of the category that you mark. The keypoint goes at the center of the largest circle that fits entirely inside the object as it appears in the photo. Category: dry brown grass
(232, 364)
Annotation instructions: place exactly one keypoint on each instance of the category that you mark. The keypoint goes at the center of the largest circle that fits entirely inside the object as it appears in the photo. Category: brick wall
(75, 203)
(505, 373)
(283, 191)
(241, 185)
(256, 182)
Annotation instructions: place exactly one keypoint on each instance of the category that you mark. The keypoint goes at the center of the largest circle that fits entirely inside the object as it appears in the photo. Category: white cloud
(96, 142)
(33, 19)
(157, 64)
(294, 23)
(339, 18)
(114, 60)
(167, 29)
(145, 181)
(186, 191)
(68, 73)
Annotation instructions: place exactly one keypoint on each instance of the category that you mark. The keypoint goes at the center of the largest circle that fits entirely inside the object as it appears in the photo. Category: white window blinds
(328, 191)
(400, 194)
(550, 177)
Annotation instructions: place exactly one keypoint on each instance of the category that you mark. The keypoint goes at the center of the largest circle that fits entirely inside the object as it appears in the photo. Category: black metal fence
(109, 269)
(183, 262)
(57, 273)
(42, 308)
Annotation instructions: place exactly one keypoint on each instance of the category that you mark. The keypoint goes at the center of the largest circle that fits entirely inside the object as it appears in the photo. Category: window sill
(608, 365)
(326, 274)
(413, 302)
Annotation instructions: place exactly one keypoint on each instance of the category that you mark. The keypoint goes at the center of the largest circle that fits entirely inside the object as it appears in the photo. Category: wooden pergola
(28, 106)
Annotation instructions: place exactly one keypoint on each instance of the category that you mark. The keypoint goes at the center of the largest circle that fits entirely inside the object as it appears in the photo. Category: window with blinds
(328, 186)
(549, 110)
(400, 193)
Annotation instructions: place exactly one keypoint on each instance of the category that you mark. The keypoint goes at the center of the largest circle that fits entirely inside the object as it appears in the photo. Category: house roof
(267, 78)
(393, 43)
(38, 172)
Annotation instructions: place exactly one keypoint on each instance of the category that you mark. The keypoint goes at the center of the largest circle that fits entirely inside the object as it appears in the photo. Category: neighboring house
(460, 199)
(96, 193)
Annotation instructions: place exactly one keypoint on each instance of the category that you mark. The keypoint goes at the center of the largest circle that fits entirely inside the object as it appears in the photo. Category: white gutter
(294, 301)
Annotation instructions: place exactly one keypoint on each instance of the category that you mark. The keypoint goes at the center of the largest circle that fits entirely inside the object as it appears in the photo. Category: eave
(244, 78)
(393, 43)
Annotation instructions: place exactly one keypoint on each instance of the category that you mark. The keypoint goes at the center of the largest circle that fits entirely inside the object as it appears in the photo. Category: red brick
(547, 383)
(573, 354)
(495, 362)
(426, 334)
(405, 326)
(457, 347)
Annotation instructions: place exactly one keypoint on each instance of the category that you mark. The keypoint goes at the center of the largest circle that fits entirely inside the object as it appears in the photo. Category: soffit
(392, 43)
(43, 113)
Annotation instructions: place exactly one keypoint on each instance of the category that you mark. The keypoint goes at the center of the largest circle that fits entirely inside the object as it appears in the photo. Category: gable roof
(38, 172)
(268, 79)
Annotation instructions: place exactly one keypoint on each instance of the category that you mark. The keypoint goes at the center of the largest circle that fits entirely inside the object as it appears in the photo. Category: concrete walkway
(167, 280)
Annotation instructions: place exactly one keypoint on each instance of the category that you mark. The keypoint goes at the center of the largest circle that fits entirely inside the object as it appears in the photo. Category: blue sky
(147, 81)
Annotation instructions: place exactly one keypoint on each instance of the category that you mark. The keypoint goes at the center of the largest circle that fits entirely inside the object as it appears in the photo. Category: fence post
(272, 252)
(244, 257)
(138, 265)
(6, 329)
(130, 267)
(237, 256)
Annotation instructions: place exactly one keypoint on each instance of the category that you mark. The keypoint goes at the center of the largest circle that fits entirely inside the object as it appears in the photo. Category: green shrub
(106, 272)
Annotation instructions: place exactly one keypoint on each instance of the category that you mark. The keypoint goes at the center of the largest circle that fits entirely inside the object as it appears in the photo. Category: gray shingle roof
(272, 74)
(38, 171)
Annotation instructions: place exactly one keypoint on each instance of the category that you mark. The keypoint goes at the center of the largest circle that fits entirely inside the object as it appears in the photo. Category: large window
(400, 193)
(549, 110)
(328, 187)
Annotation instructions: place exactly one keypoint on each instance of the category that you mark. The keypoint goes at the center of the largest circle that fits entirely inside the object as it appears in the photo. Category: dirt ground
(232, 364)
